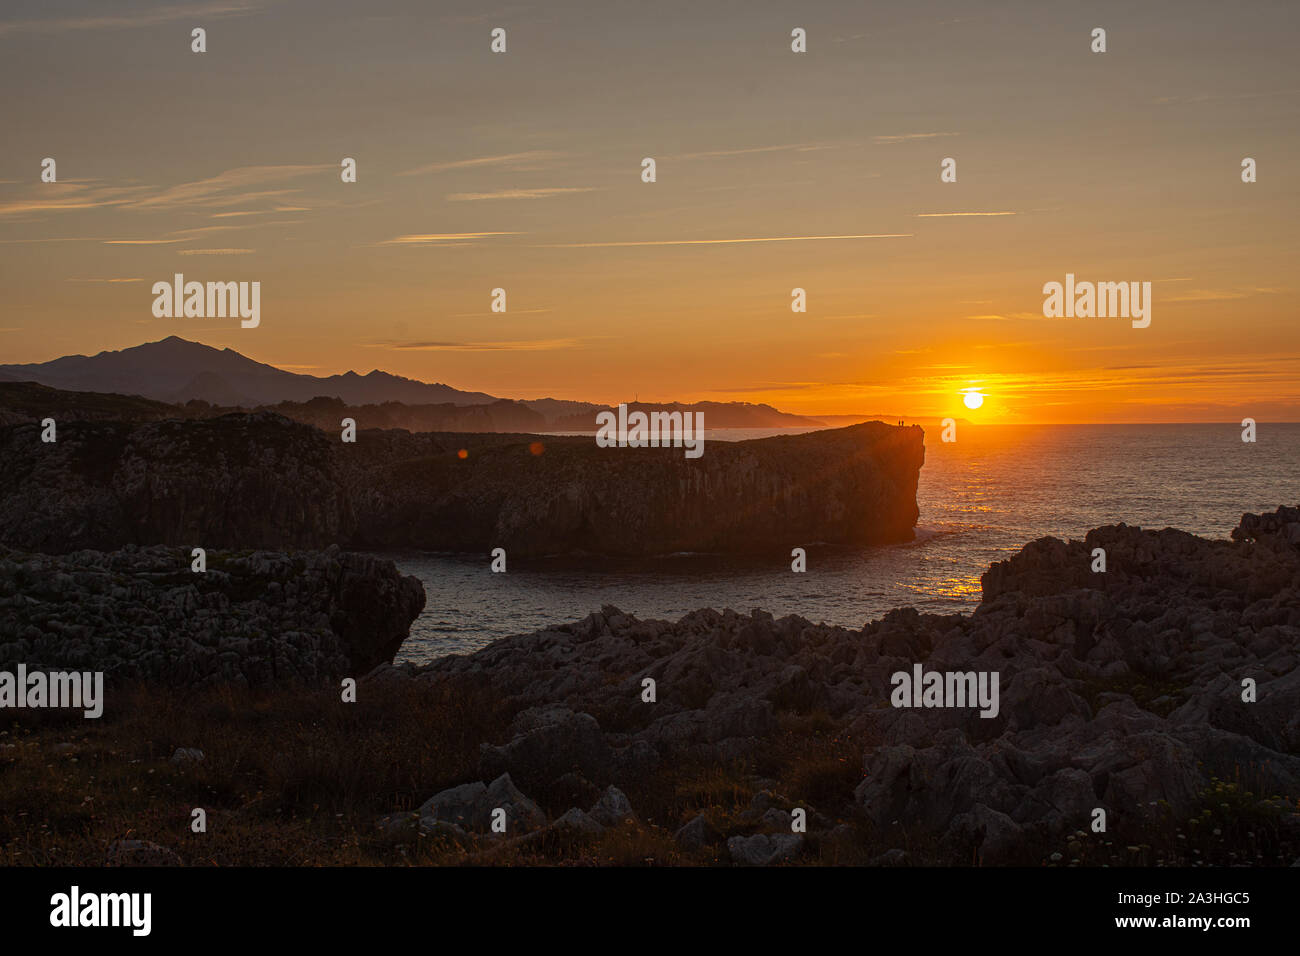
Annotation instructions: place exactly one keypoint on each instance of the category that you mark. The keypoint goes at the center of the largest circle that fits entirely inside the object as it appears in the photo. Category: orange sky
(522, 171)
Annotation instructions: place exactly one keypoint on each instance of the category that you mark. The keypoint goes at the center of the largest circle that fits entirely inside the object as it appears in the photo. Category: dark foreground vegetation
(297, 778)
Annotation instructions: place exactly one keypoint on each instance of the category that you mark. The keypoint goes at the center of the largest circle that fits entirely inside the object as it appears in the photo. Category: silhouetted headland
(259, 480)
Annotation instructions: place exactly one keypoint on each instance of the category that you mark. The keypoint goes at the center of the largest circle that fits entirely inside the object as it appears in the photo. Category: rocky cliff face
(1121, 691)
(254, 618)
(259, 480)
(239, 481)
(534, 495)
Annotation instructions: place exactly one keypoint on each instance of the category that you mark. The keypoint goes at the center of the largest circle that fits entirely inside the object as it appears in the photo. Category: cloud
(744, 151)
(525, 345)
(905, 137)
(228, 188)
(521, 193)
(167, 13)
(105, 280)
(141, 242)
(716, 242)
(443, 239)
(1206, 295)
(67, 196)
(216, 252)
(479, 315)
(769, 387)
(196, 231)
(781, 184)
(510, 160)
(945, 215)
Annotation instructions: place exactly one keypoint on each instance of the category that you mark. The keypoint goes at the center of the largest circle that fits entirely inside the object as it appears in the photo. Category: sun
(973, 398)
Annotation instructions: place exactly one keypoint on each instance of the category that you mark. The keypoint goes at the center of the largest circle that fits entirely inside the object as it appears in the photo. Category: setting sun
(973, 399)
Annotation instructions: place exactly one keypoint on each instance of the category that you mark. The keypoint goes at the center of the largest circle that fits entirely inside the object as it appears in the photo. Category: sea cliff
(260, 480)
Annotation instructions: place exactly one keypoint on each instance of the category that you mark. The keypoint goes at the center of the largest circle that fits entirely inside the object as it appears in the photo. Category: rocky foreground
(260, 480)
(1163, 692)
(1120, 691)
(252, 619)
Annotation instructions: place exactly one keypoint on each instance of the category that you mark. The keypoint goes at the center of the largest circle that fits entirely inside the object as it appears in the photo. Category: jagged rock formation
(1120, 690)
(259, 480)
(254, 618)
(240, 481)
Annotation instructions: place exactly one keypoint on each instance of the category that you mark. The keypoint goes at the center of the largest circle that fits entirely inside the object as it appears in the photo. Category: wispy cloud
(68, 196)
(947, 215)
(216, 252)
(228, 188)
(106, 280)
(781, 184)
(746, 150)
(1209, 97)
(906, 137)
(769, 387)
(477, 315)
(1220, 295)
(522, 193)
(142, 242)
(149, 17)
(197, 231)
(443, 239)
(524, 345)
(508, 160)
(717, 242)
(1207, 295)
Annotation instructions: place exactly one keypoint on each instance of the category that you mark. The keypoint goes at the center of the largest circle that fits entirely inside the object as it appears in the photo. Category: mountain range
(176, 371)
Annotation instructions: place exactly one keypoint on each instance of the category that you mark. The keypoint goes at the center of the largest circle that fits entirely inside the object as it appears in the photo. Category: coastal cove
(981, 499)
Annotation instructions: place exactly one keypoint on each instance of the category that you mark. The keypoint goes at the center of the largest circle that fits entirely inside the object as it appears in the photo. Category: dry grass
(299, 778)
(294, 778)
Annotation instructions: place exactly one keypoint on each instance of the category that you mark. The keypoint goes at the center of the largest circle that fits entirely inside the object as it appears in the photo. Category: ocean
(981, 498)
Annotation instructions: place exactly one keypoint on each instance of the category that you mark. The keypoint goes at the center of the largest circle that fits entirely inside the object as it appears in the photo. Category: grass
(299, 778)
(293, 778)
(1227, 826)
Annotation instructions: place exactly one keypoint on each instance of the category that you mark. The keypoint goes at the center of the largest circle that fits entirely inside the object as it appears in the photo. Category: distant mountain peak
(175, 369)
